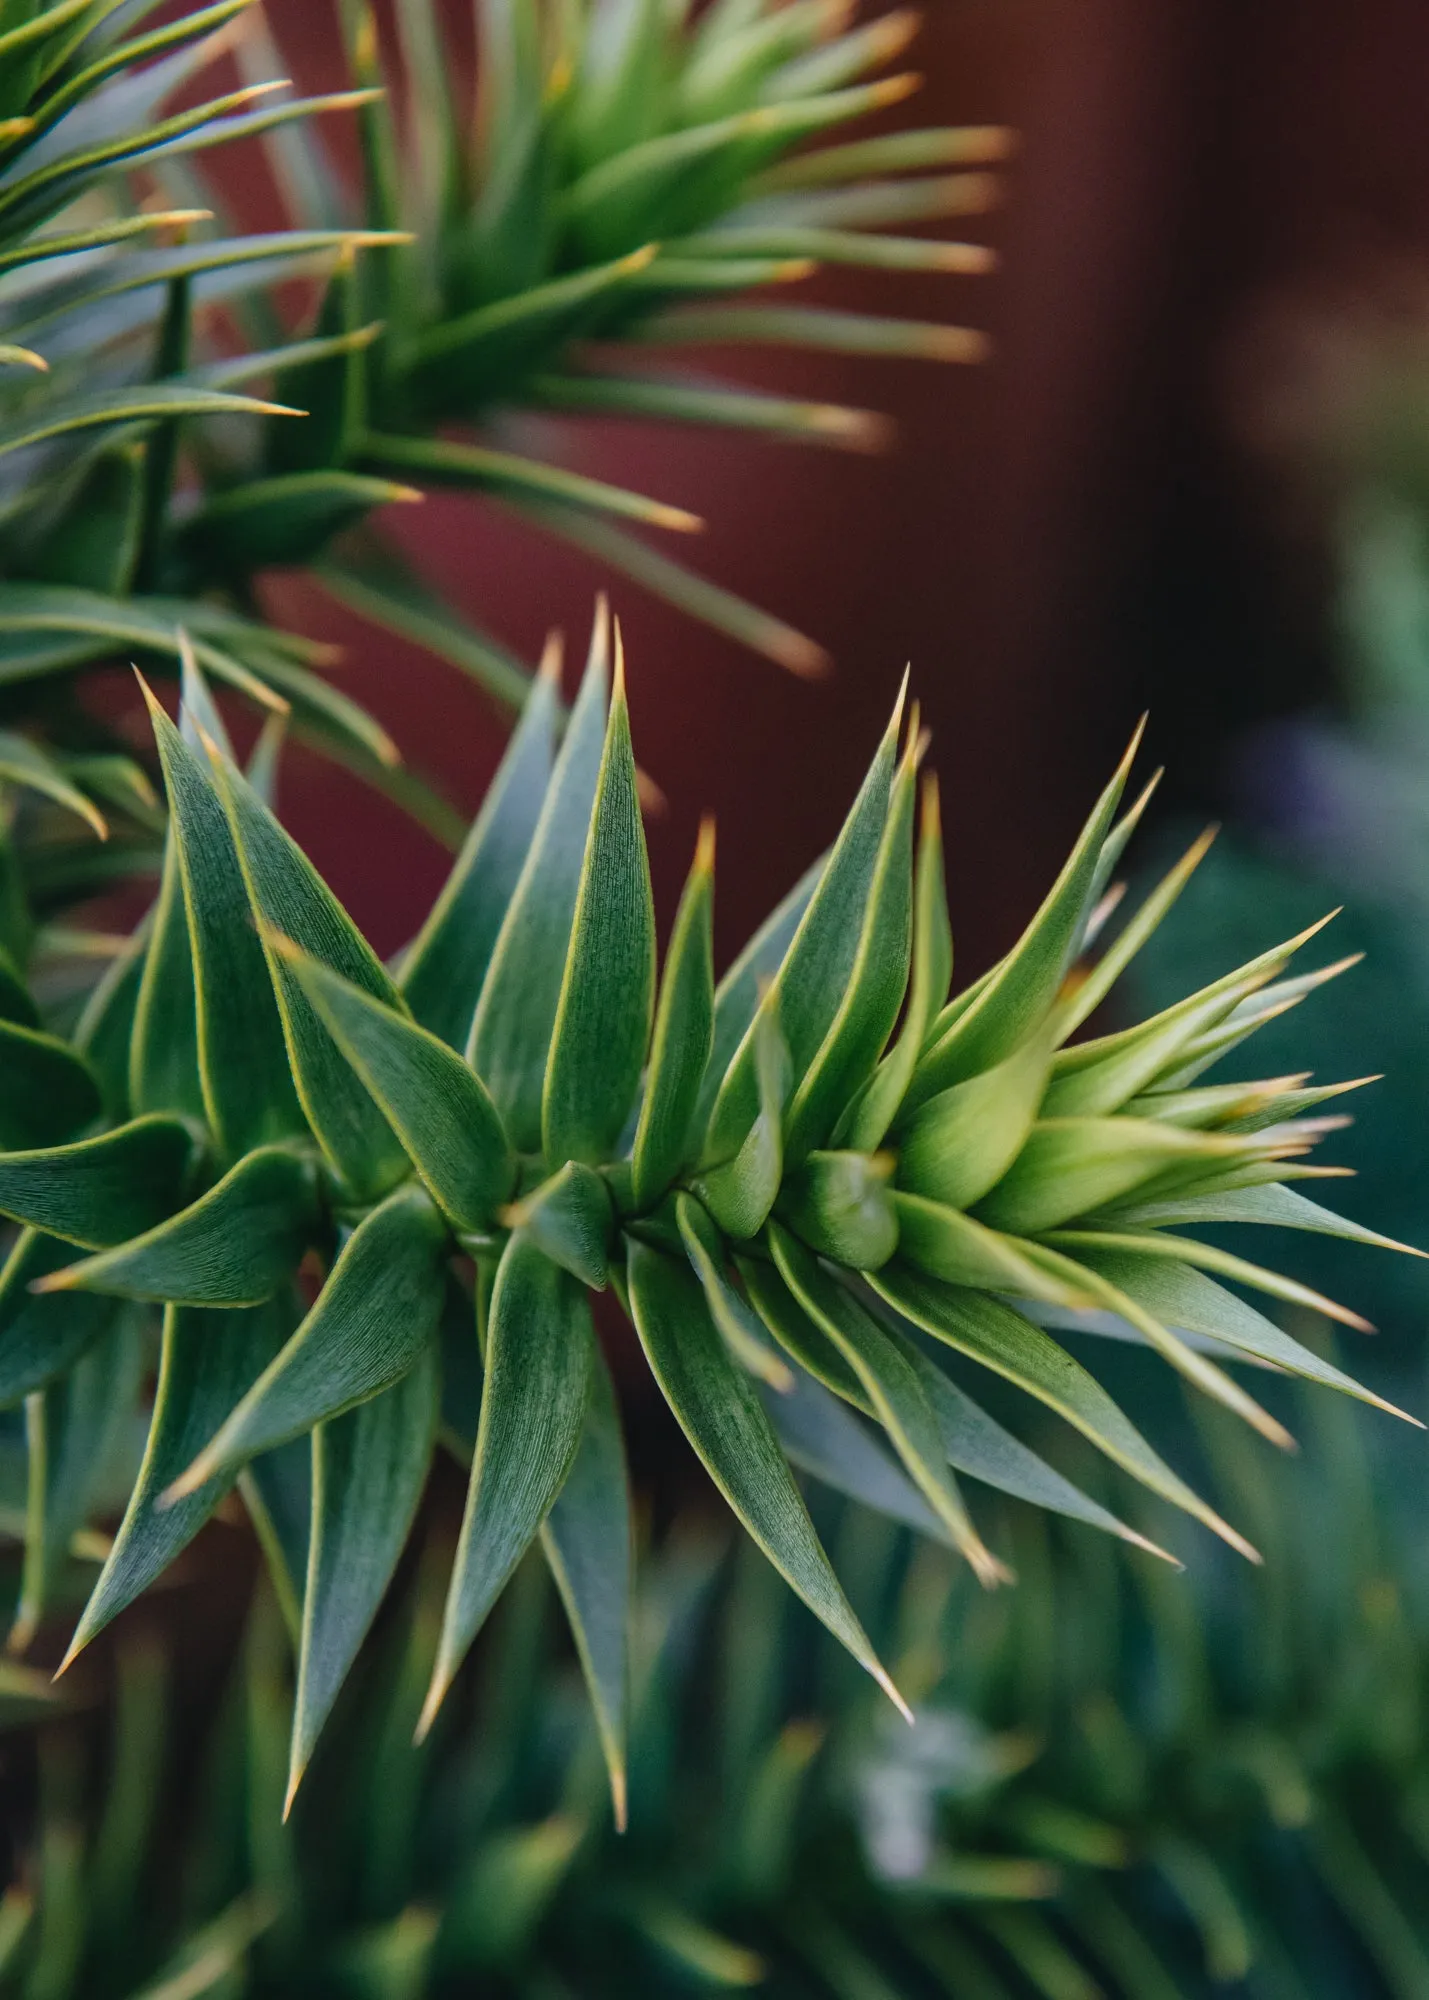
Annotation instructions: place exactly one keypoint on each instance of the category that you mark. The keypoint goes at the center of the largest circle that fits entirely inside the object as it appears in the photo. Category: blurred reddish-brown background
(1057, 539)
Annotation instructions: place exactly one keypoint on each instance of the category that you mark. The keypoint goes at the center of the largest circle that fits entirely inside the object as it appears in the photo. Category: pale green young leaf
(515, 1016)
(607, 999)
(684, 1027)
(378, 1310)
(1096, 1089)
(207, 1363)
(442, 973)
(248, 1092)
(999, 1338)
(959, 1144)
(234, 1246)
(806, 991)
(958, 1249)
(569, 1218)
(1025, 984)
(892, 1384)
(102, 1191)
(719, 1411)
(41, 1337)
(740, 1192)
(587, 1540)
(737, 994)
(738, 1324)
(47, 1094)
(437, 1106)
(1072, 1165)
(865, 1125)
(288, 895)
(539, 1344)
(1087, 996)
(369, 1468)
(877, 981)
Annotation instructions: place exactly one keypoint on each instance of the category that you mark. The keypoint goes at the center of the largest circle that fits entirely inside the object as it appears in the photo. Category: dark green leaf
(209, 1360)
(539, 1344)
(515, 1016)
(680, 1051)
(102, 1191)
(602, 1027)
(436, 1105)
(46, 1093)
(163, 1050)
(719, 1411)
(369, 1468)
(569, 1218)
(824, 1439)
(288, 895)
(738, 1324)
(247, 1087)
(587, 1537)
(378, 1310)
(737, 995)
(234, 1246)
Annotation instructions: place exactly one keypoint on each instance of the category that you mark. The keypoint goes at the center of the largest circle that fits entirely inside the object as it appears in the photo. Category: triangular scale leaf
(684, 1024)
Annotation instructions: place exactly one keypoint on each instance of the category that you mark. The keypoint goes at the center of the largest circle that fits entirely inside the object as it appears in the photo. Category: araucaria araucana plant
(803, 1185)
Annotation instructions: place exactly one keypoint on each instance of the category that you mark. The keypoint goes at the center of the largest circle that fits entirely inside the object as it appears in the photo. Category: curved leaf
(684, 1026)
(47, 1094)
(39, 1337)
(97, 1192)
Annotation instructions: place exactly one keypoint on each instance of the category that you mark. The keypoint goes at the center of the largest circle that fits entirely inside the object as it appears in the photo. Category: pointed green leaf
(234, 1246)
(1000, 1339)
(539, 1344)
(602, 1028)
(442, 973)
(960, 1143)
(587, 1537)
(798, 1334)
(1167, 1284)
(944, 1243)
(369, 1468)
(865, 1125)
(142, 403)
(208, 1361)
(1072, 1165)
(739, 1193)
(806, 992)
(877, 981)
(515, 1016)
(1024, 986)
(1276, 1206)
(248, 1093)
(379, 1308)
(892, 1385)
(97, 1192)
(25, 763)
(737, 995)
(569, 1218)
(684, 1027)
(277, 1490)
(47, 1094)
(738, 1324)
(288, 895)
(437, 1107)
(720, 1413)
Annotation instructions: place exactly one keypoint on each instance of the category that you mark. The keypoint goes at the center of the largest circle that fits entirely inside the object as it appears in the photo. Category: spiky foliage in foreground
(624, 162)
(799, 1185)
(1120, 1783)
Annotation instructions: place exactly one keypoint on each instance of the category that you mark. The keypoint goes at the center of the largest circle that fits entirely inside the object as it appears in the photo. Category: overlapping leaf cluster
(1122, 1783)
(801, 1185)
(622, 162)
